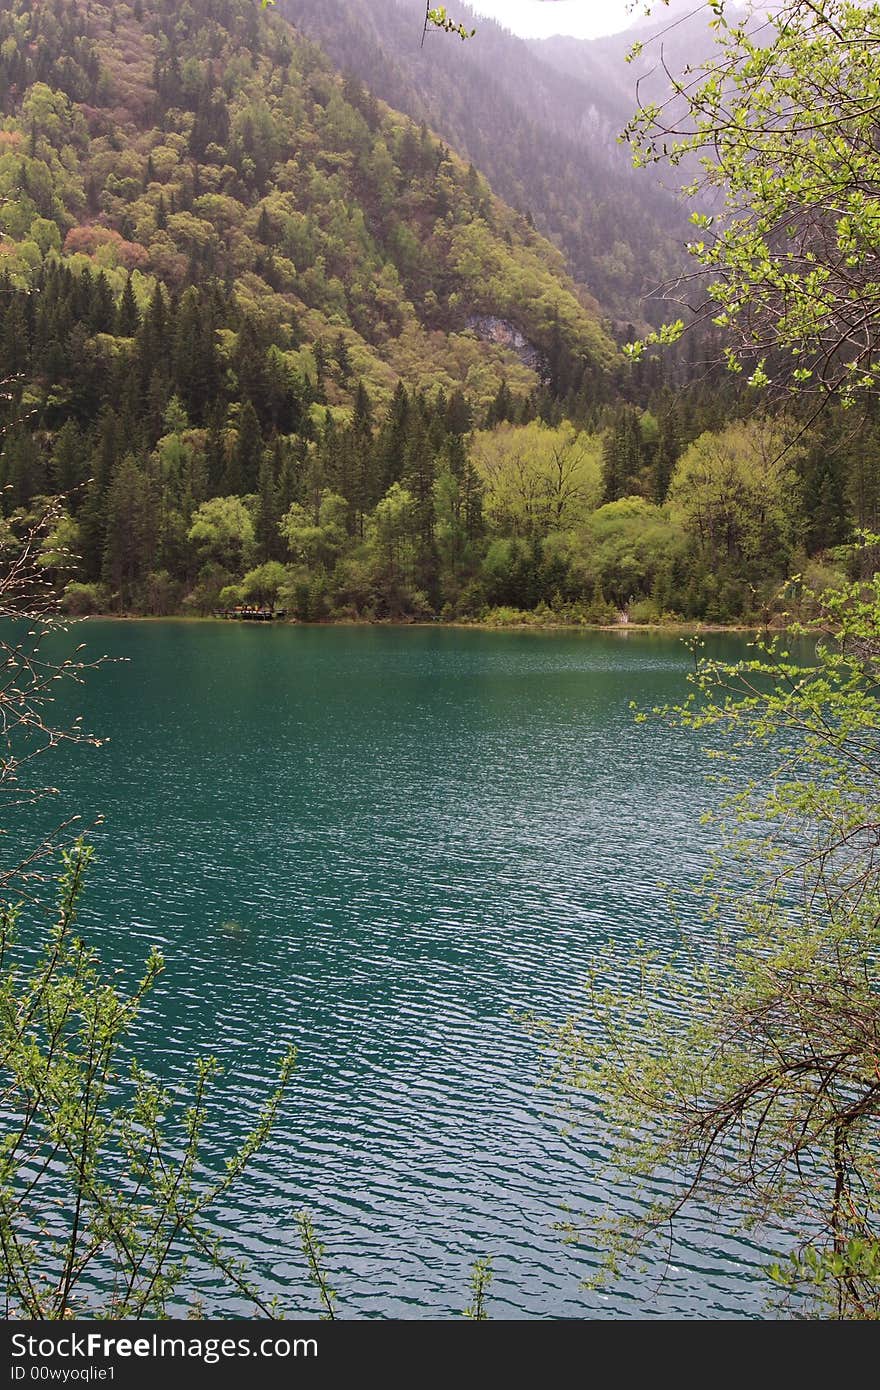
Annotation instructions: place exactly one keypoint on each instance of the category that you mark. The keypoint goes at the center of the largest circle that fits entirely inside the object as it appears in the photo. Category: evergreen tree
(131, 530)
(243, 472)
(666, 454)
(128, 319)
(68, 465)
(622, 455)
(419, 476)
(502, 408)
(269, 543)
(93, 521)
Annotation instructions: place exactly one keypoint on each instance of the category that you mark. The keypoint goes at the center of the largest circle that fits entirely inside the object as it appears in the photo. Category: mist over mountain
(674, 42)
(542, 127)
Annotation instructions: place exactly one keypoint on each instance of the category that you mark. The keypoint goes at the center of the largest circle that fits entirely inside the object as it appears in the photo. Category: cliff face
(490, 329)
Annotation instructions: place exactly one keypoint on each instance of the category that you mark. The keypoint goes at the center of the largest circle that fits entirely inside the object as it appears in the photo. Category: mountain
(679, 35)
(544, 138)
(208, 146)
(639, 65)
(236, 291)
(274, 342)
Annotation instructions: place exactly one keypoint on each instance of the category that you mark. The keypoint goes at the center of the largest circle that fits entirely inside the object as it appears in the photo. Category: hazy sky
(540, 18)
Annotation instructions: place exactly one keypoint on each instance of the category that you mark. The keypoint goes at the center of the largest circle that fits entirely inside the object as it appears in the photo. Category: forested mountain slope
(275, 343)
(669, 40)
(546, 140)
(207, 146)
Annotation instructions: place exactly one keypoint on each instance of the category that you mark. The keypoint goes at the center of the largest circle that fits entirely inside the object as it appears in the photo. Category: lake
(382, 845)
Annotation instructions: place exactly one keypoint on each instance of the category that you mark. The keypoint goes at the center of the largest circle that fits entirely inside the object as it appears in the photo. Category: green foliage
(265, 292)
(738, 494)
(263, 584)
(783, 120)
(80, 600)
(100, 1172)
(481, 1278)
(437, 16)
(314, 1253)
(222, 529)
(537, 479)
(272, 183)
(538, 137)
(625, 545)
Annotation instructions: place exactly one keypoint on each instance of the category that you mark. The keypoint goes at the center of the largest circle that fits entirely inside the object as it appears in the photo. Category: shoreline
(685, 629)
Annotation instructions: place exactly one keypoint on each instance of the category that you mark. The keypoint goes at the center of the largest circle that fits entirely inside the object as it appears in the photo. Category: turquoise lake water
(380, 845)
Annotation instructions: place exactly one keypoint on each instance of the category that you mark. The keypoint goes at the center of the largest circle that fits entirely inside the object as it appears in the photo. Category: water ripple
(380, 846)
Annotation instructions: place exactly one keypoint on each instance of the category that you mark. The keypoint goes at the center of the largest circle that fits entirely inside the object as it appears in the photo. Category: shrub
(80, 600)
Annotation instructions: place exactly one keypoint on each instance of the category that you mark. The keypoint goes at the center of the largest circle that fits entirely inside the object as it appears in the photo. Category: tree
(317, 542)
(124, 1156)
(784, 122)
(243, 473)
(537, 478)
(737, 493)
(396, 535)
(132, 524)
(128, 319)
(223, 531)
(747, 1071)
(622, 456)
(623, 547)
(261, 585)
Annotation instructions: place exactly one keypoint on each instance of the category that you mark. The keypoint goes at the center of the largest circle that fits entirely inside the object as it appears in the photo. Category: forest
(276, 343)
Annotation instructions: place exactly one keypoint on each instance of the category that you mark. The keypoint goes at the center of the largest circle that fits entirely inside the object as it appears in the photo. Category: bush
(306, 596)
(599, 612)
(231, 595)
(205, 597)
(80, 600)
(511, 617)
(644, 610)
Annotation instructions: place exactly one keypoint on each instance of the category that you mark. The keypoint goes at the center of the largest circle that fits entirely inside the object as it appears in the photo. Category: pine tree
(128, 319)
(131, 530)
(24, 468)
(365, 493)
(501, 409)
(420, 472)
(342, 358)
(152, 341)
(622, 455)
(93, 519)
(269, 544)
(216, 462)
(243, 472)
(68, 466)
(667, 453)
(458, 414)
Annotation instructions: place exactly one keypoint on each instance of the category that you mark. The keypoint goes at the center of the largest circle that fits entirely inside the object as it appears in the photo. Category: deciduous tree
(783, 120)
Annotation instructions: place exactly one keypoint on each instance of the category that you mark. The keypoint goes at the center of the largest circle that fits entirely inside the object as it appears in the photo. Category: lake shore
(684, 628)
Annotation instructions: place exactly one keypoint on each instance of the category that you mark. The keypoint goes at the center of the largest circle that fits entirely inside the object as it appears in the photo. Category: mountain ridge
(253, 166)
(537, 134)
